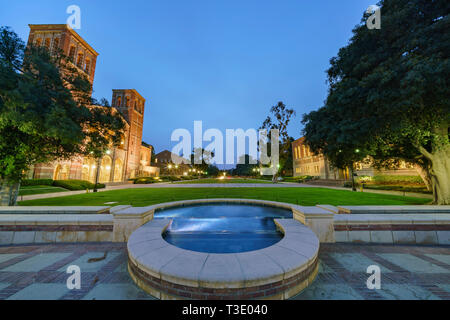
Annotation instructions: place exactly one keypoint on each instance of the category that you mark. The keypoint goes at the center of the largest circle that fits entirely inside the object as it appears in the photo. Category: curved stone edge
(277, 272)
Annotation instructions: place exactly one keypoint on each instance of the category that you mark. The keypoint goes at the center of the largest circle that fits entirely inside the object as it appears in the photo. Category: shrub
(37, 182)
(398, 180)
(419, 189)
(75, 185)
(348, 184)
(145, 180)
(364, 179)
(171, 178)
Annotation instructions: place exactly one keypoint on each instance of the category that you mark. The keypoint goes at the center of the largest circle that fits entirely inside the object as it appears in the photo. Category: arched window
(80, 60)
(118, 170)
(72, 53)
(38, 42)
(87, 66)
(55, 45)
(119, 101)
(128, 102)
(105, 169)
(47, 43)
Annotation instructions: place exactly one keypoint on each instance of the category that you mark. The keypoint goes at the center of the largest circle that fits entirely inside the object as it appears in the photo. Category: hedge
(397, 180)
(145, 180)
(299, 179)
(37, 182)
(72, 185)
(75, 185)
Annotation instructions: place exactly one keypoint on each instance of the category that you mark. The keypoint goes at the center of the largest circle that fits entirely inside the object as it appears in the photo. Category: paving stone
(408, 272)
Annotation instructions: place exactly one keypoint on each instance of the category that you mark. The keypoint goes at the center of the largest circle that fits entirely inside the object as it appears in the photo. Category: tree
(201, 159)
(213, 171)
(279, 119)
(45, 113)
(388, 93)
(245, 168)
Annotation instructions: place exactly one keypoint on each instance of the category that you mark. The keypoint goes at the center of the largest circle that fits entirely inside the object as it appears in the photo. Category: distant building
(171, 164)
(145, 168)
(120, 163)
(306, 163)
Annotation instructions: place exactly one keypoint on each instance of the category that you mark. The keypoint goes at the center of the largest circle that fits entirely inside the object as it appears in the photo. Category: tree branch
(425, 153)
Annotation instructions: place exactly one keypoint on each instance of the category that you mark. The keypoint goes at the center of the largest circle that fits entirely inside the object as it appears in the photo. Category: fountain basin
(279, 271)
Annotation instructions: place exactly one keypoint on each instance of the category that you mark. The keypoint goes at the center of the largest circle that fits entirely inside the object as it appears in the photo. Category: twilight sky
(223, 62)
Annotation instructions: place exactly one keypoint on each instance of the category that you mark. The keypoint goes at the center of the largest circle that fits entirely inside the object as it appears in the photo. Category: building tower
(131, 105)
(59, 36)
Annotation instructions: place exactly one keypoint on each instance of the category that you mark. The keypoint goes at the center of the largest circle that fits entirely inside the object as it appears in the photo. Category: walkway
(408, 272)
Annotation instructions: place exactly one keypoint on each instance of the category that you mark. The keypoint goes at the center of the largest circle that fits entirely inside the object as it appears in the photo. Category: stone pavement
(408, 272)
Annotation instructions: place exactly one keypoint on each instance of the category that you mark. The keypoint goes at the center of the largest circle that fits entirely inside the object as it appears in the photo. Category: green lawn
(302, 196)
(223, 181)
(30, 190)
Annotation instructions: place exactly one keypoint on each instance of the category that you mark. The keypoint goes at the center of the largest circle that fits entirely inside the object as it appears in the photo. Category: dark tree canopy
(245, 166)
(388, 93)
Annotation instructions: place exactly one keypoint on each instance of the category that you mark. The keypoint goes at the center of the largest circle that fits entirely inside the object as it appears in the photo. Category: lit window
(38, 42)
(47, 43)
(72, 53)
(119, 101)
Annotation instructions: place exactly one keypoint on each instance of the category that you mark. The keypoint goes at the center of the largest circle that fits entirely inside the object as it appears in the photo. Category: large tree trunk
(440, 176)
(9, 192)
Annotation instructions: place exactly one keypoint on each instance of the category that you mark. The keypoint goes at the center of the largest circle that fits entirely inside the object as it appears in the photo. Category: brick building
(306, 163)
(171, 164)
(120, 163)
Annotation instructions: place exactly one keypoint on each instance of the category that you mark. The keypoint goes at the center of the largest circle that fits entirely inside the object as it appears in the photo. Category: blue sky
(223, 62)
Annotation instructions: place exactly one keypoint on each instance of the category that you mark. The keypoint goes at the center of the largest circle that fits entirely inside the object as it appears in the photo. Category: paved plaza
(408, 272)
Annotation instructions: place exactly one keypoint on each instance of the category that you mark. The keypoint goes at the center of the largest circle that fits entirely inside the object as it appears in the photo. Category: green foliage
(188, 177)
(37, 182)
(75, 185)
(213, 171)
(146, 180)
(397, 180)
(364, 179)
(171, 178)
(279, 119)
(246, 168)
(402, 188)
(299, 179)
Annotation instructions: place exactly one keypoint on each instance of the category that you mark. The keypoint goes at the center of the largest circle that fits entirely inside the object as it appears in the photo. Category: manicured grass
(302, 196)
(30, 190)
(222, 181)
